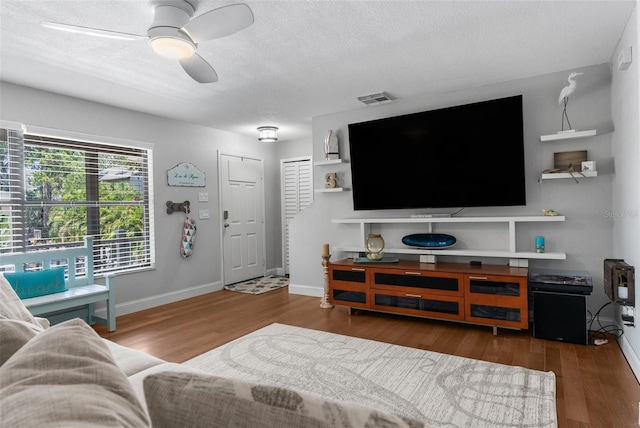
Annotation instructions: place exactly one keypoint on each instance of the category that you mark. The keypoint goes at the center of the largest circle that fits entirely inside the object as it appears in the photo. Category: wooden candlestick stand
(324, 303)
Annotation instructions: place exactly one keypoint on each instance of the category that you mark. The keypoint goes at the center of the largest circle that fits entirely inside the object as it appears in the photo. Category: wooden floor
(595, 385)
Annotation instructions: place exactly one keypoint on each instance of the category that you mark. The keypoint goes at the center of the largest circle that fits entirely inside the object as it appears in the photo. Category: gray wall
(174, 277)
(294, 149)
(586, 235)
(625, 208)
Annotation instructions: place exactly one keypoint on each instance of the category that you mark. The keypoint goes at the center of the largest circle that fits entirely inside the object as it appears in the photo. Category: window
(56, 191)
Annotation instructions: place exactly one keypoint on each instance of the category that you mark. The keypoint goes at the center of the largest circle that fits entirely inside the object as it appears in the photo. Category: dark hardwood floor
(595, 385)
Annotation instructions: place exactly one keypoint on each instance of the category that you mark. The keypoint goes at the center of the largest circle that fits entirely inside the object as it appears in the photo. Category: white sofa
(67, 376)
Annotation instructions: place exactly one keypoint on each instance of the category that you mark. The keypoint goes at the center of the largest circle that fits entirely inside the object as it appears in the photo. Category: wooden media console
(488, 294)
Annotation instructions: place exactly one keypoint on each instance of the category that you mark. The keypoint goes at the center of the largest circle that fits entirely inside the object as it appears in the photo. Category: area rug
(259, 285)
(441, 390)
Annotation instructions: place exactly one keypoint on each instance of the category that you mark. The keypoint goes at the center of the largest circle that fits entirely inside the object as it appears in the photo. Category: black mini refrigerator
(559, 300)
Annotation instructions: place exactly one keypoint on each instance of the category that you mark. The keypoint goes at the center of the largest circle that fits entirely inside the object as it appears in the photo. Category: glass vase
(374, 245)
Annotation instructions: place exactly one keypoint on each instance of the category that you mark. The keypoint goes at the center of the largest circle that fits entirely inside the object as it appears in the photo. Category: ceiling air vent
(375, 99)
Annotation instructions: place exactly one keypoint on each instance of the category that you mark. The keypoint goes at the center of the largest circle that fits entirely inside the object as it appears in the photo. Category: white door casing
(296, 190)
(242, 214)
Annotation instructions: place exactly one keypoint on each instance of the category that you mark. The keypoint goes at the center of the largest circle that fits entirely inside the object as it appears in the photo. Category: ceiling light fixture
(171, 43)
(268, 134)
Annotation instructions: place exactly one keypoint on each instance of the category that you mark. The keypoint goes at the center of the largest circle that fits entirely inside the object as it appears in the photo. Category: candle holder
(324, 303)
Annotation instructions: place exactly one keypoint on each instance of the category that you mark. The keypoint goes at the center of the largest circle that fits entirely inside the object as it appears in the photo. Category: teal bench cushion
(37, 283)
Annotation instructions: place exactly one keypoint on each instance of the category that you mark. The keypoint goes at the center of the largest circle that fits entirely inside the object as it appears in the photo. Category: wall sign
(185, 174)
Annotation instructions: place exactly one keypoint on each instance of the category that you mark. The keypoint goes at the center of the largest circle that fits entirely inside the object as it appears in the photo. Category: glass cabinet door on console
(418, 292)
(497, 300)
(349, 286)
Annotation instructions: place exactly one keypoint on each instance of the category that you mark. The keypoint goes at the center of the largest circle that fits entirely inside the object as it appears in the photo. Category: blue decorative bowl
(429, 240)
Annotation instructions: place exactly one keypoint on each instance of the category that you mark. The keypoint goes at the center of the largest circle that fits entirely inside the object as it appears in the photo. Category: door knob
(226, 224)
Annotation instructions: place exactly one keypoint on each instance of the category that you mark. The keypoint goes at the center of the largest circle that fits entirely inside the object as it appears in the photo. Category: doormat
(259, 285)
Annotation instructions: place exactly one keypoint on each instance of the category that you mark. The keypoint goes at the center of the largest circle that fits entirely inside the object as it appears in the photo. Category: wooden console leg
(495, 330)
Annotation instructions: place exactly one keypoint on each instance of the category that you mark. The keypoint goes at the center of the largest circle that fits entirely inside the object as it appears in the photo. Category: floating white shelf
(568, 135)
(490, 219)
(364, 224)
(331, 190)
(330, 162)
(576, 175)
(469, 252)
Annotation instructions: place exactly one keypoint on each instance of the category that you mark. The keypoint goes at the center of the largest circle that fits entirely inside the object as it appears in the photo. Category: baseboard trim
(630, 355)
(275, 272)
(305, 290)
(132, 306)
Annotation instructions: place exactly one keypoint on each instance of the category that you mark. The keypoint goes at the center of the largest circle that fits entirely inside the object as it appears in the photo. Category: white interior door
(243, 218)
(296, 176)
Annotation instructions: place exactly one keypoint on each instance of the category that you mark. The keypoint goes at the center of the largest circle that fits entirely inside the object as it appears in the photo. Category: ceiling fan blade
(87, 31)
(219, 22)
(199, 69)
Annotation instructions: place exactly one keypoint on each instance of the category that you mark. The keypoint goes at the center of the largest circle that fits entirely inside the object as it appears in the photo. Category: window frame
(92, 146)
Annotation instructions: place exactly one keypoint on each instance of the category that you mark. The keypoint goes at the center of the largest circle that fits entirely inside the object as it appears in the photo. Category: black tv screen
(464, 156)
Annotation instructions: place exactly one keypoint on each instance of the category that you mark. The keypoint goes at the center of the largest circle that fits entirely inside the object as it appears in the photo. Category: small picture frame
(588, 166)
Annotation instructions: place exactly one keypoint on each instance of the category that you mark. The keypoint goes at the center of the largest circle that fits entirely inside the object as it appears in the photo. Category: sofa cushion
(196, 400)
(130, 360)
(65, 376)
(37, 283)
(11, 307)
(14, 334)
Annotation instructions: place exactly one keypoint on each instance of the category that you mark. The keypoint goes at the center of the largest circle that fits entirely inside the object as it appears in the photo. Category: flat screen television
(470, 155)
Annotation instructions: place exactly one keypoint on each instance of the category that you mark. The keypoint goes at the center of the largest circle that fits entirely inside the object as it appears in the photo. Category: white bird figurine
(564, 97)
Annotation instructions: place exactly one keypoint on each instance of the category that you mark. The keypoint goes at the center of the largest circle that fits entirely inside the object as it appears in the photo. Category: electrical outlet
(628, 315)
(203, 214)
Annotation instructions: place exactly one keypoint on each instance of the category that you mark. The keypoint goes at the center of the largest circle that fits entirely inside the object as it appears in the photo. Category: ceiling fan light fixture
(267, 134)
(172, 47)
(170, 42)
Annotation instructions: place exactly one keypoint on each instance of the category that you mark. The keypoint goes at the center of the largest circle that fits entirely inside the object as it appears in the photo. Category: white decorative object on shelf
(331, 146)
(511, 221)
(564, 97)
(567, 135)
(588, 166)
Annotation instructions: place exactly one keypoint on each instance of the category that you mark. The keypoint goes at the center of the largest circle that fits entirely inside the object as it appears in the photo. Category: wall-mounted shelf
(331, 190)
(568, 135)
(330, 162)
(576, 175)
(511, 252)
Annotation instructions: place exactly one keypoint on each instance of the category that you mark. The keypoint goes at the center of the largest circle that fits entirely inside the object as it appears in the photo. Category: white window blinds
(55, 191)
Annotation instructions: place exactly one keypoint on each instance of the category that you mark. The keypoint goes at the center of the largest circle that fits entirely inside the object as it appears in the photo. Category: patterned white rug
(259, 285)
(442, 390)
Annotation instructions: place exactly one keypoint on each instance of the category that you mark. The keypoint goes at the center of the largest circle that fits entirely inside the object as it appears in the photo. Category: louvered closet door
(297, 194)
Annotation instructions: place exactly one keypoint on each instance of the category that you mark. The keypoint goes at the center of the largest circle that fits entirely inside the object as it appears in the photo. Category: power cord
(458, 212)
(599, 337)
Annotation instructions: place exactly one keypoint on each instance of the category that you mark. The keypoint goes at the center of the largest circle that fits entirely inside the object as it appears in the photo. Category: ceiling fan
(174, 34)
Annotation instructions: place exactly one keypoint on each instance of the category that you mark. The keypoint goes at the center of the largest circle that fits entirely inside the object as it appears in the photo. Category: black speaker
(562, 317)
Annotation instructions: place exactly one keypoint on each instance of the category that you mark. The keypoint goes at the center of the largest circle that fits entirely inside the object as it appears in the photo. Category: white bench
(82, 291)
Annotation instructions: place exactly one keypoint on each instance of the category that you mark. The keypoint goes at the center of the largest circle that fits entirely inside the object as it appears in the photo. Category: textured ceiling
(303, 58)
